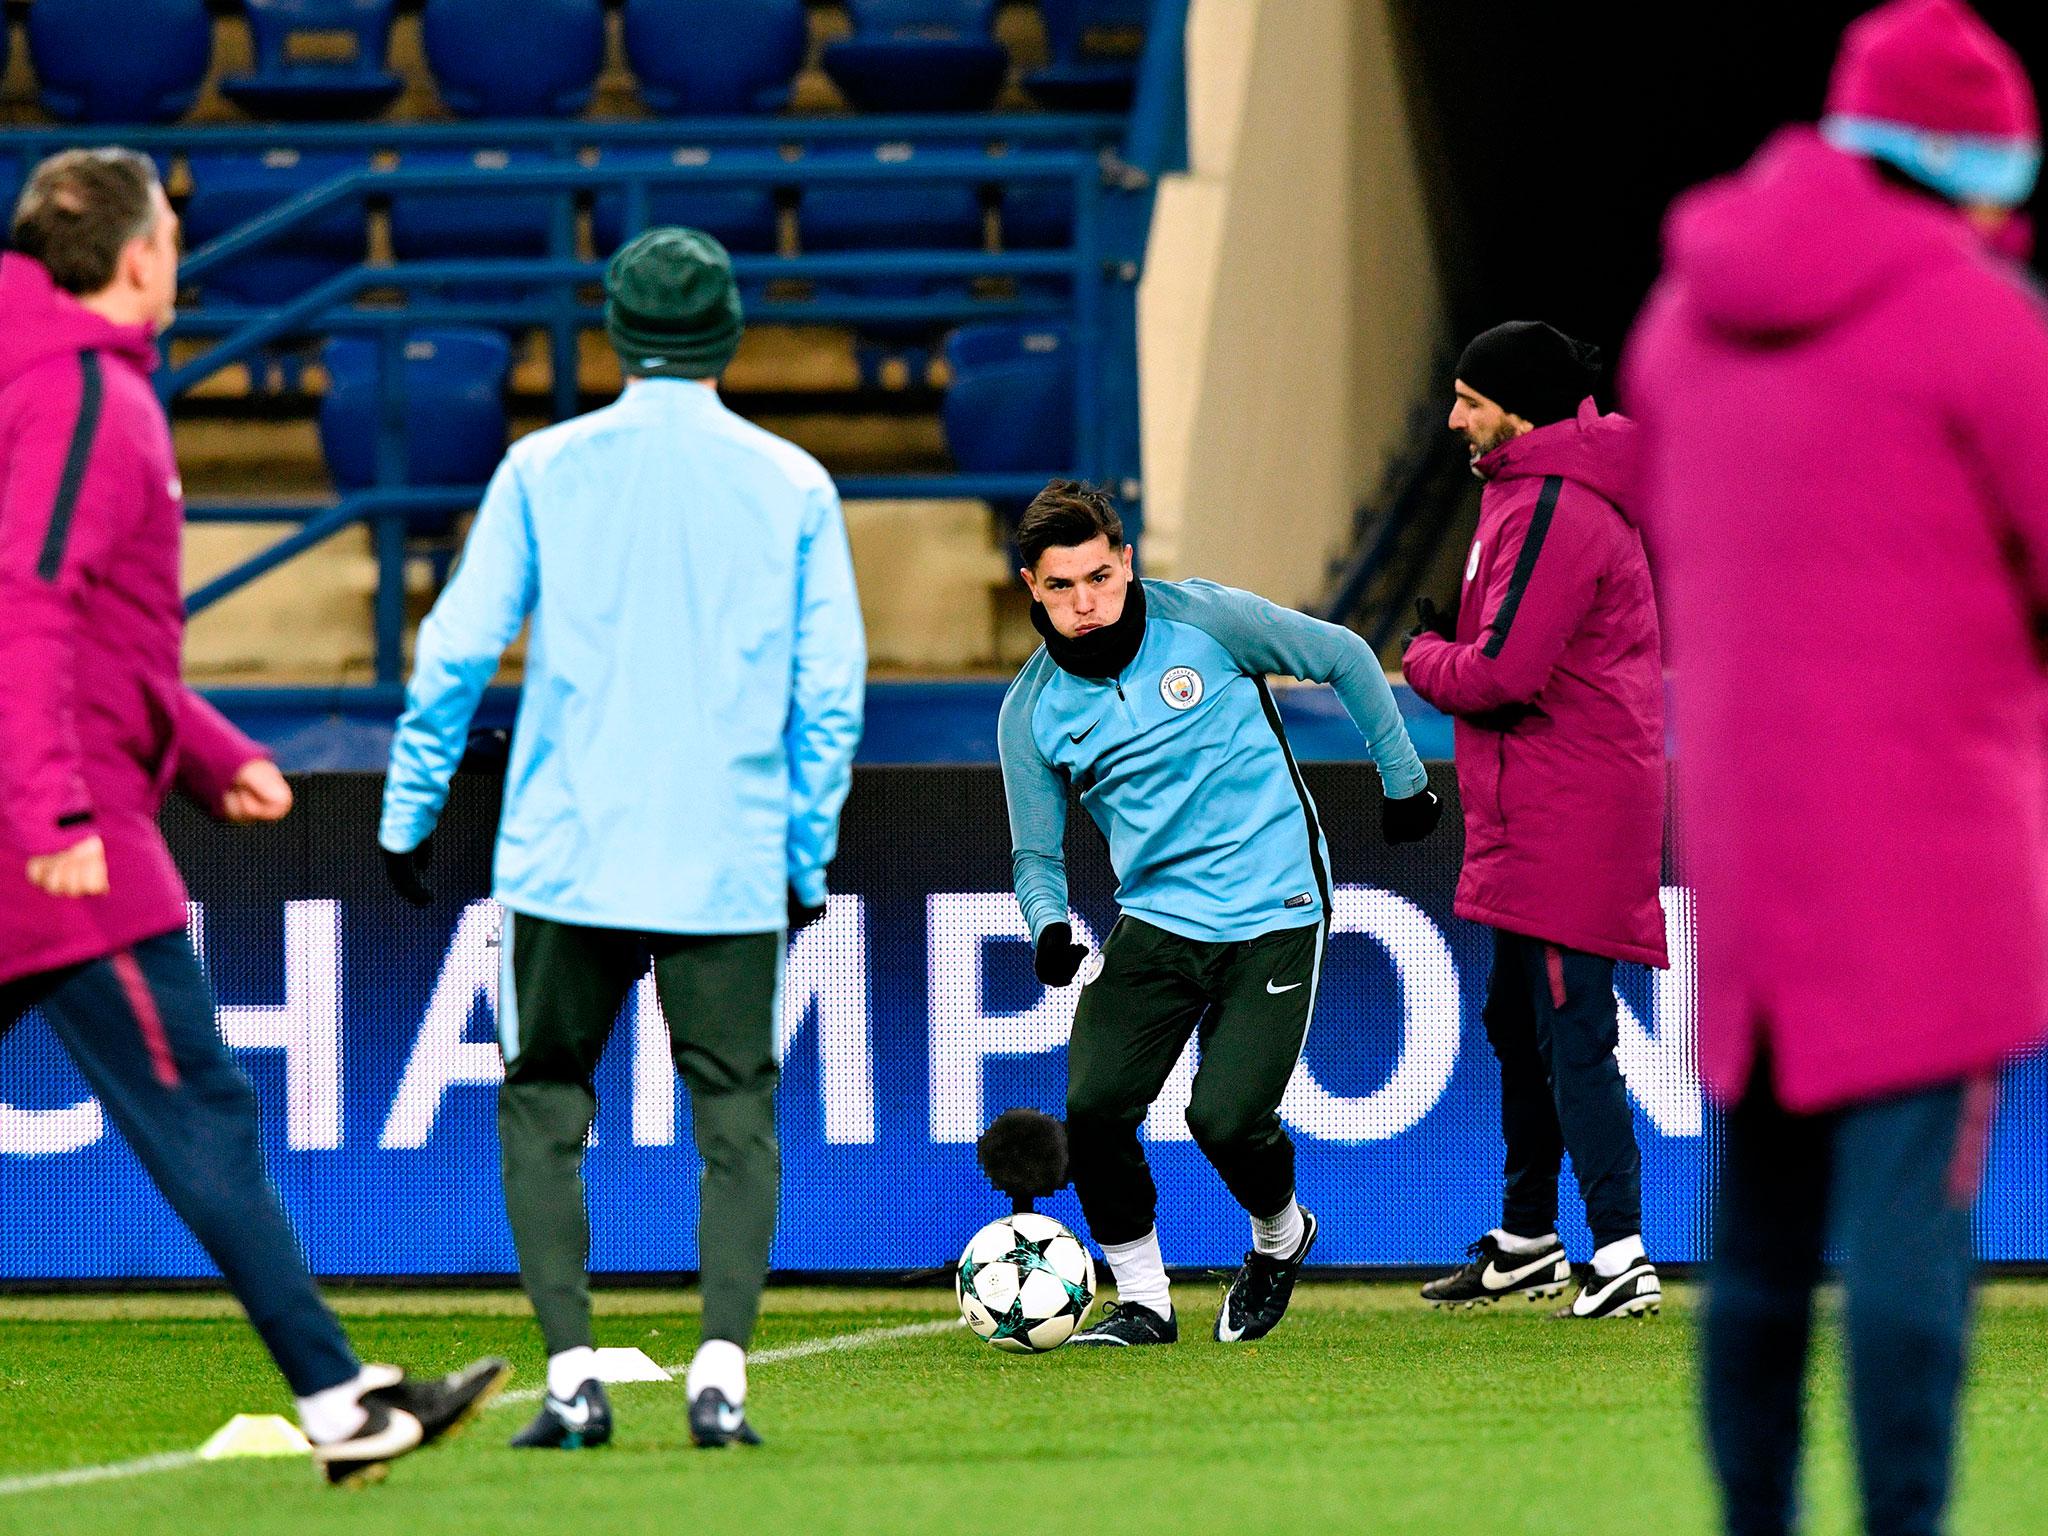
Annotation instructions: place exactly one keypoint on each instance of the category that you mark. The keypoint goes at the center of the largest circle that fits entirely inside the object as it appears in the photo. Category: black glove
(408, 871)
(1434, 620)
(1059, 958)
(1412, 819)
(802, 915)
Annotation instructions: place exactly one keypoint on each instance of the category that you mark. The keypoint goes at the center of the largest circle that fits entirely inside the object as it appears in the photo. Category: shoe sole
(377, 1471)
(1549, 1292)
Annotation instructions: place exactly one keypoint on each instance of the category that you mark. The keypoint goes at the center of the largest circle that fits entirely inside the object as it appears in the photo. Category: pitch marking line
(175, 1461)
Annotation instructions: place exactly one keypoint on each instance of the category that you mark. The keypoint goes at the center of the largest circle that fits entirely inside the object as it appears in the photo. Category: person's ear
(1130, 554)
(1030, 582)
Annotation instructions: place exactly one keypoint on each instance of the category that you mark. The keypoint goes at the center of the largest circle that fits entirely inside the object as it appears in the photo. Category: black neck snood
(1103, 653)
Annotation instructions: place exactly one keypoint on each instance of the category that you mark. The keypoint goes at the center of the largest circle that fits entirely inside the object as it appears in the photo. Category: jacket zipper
(1500, 773)
(1129, 713)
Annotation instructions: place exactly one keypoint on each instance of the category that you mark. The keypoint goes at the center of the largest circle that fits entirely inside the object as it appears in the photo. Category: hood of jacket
(38, 321)
(1803, 237)
(1595, 451)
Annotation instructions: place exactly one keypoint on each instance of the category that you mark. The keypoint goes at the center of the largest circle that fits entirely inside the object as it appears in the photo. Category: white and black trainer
(715, 1420)
(1258, 1296)
(1635, 1292)
(580, 1423)
(402, 1414)
(1126, 1324)
(1494, 1274)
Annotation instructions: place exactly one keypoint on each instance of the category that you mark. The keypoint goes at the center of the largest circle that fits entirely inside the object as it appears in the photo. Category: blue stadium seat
(1094, 46)
(888, 215)
(1038, 216)
(294, 83)
(229, 188)
(716, 56)
(920, 56)
(154, 76)
(435, 226)
(743, 217)
(453, 387)
(1010, 408)
(544, 66)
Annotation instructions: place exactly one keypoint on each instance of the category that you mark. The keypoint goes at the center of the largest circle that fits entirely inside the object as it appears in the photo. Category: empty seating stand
(541, 61)
(452, 394)
(1094, 46)
(317, 59)
(229, 188)
(715, 56)
(920, 56)
(119, 61)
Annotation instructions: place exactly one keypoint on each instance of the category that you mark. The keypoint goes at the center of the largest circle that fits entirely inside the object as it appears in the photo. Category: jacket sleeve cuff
(211, 752)
(809, 887)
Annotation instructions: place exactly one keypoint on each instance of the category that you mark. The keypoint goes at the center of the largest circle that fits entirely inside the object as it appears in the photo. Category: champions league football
(1025, 1284)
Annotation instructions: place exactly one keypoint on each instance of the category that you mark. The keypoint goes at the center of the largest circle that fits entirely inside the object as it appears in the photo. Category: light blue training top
(1182, 762)
(694, 680)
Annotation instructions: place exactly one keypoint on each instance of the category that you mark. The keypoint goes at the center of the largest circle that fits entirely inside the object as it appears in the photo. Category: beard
(1478, 446)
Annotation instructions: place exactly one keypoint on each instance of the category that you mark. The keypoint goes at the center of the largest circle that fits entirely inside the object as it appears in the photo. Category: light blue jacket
(1182, 762)
(694, 679)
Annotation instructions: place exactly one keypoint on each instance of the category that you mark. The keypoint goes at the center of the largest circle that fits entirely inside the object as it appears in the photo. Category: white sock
(569, 1370)
(1615, 1257)
(721, 1364)
(335, 1413)
(1509, 1243)
(1278, 1236)
(1140, 1273)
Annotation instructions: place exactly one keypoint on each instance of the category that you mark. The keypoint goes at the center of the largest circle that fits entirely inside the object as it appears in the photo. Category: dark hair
(80, 210)
(1064, 514)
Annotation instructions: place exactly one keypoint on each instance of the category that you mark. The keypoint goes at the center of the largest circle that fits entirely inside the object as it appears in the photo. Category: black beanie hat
(671, 305)
(1530, 370)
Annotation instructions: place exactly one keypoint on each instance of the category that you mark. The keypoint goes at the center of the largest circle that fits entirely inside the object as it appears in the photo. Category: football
(1025, 1283)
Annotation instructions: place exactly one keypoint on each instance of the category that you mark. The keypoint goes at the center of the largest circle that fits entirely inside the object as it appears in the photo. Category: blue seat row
(1009, 409)
(229, 188)
(688, 56)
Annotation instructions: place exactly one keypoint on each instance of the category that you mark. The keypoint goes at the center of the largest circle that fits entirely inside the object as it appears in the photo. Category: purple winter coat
(1556, 680)
(1844, 401)
(95, 724)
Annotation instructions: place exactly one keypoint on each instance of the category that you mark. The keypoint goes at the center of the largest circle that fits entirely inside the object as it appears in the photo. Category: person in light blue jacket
(1149, 702)
(685, 739)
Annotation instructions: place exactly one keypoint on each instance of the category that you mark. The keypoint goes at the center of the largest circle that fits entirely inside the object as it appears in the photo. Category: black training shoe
(1258, 1297)
(1126, 1323)
(1495, 1273)
(580, 1424)
(1635, 1292)
(714, 1421)
(406, 1413)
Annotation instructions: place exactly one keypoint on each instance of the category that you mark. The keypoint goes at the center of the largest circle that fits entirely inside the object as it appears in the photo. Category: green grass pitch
(1365, 1413)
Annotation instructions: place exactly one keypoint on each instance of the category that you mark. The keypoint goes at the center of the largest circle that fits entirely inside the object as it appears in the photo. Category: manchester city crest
(1181, 688)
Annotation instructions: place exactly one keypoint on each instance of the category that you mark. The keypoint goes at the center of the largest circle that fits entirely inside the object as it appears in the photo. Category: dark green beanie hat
(671, 306)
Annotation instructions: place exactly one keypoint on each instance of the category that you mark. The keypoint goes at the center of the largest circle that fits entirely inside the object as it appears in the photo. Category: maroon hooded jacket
(1844, 400)
(1556, 682)
(95, 724)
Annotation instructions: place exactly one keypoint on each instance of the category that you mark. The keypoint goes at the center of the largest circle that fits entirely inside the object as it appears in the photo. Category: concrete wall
(1290, 302)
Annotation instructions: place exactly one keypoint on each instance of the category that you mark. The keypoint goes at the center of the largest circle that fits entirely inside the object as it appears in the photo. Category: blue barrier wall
(910, 1017)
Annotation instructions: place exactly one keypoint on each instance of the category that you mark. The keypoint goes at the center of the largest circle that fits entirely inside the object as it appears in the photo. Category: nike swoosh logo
(1077, 740)
(1225, 1334)
(1594, 1297)
(1276, 991)
(729, 1419)
(1495, 1279)
(576, 1415)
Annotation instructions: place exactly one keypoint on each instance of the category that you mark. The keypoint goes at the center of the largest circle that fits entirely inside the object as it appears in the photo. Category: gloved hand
(802, 915)
(1434, 620)
(1412, 819)
(407, 871)
(1059, 958)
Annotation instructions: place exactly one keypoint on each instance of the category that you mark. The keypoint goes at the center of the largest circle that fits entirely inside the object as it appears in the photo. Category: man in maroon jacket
(1551, 667)
(95, 728)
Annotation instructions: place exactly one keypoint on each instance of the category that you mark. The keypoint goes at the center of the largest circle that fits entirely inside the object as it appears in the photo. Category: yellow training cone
(256, 1434)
